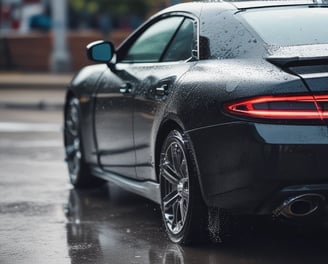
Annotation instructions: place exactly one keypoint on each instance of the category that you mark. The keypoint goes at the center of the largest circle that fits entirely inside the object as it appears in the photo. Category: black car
(210, 109)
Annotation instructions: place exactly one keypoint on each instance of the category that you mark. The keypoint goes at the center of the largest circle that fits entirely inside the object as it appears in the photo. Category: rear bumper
(252, 168)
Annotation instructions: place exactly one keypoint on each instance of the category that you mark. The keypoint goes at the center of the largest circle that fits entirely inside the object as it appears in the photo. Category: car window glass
(150, 46)
(182, 43)
(285, 27)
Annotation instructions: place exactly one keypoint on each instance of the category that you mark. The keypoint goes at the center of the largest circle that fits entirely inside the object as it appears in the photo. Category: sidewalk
(33, 90)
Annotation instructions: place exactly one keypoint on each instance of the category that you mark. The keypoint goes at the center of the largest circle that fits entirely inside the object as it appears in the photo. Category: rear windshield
(290, 26)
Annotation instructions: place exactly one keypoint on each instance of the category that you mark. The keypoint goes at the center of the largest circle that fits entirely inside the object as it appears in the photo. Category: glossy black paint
(243, 164)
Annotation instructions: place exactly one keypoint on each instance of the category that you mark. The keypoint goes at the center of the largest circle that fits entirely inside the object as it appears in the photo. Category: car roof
(196, 7)
(268, 3)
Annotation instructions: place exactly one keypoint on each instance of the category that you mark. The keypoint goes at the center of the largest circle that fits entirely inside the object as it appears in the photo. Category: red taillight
(282, 107)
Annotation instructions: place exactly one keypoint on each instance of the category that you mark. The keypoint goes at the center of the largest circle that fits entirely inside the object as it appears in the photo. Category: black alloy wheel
(183, 210)
(78, 169)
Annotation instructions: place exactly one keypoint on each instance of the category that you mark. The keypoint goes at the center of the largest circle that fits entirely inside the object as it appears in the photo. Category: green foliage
(114, 7)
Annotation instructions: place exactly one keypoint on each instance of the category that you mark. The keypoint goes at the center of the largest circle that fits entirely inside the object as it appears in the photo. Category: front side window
(182, 44)
(150, 46)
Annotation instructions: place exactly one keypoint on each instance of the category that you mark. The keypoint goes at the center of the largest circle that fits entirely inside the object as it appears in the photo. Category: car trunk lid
(310, 67)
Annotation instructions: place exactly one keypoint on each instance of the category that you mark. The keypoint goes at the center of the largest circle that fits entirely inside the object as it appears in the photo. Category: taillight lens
(282, 107)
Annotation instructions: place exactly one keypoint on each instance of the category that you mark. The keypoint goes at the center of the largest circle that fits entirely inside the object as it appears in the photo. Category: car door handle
(126, 88)
(162, 90)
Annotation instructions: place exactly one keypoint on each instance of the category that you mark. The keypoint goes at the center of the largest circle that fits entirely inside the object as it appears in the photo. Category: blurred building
(23, 15)
(26, 24)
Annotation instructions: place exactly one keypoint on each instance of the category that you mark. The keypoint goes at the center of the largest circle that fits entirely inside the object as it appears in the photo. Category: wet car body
(246, 164)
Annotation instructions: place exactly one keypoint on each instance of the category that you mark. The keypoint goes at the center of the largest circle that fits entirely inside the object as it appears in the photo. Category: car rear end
(269, 156)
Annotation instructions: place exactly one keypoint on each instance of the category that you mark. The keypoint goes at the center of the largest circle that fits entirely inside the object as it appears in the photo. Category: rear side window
(290, 26)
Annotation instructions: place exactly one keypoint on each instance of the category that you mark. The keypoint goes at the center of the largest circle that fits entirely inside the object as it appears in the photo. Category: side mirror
(100, 51)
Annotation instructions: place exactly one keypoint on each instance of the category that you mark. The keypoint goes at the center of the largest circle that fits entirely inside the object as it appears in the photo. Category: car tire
(183, 210)
(79, 171)
(187, 219)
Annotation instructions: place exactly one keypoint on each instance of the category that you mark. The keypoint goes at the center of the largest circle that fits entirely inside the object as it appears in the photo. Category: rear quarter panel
(198, 101)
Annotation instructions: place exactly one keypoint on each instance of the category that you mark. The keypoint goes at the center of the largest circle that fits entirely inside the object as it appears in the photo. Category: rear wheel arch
(199, 222)
(163, 132)
(183, 209)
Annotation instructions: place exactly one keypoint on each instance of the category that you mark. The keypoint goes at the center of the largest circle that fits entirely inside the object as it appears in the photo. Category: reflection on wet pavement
(112, 226)
(44, 220)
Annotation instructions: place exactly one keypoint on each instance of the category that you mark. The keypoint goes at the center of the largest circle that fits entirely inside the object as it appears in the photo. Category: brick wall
(32, 52)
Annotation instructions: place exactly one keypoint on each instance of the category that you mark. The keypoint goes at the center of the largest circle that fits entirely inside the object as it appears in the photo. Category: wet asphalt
(44, 220)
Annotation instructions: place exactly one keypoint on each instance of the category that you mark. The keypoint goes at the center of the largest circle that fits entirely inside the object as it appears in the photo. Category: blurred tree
(114, 7)
(124, 7)
(118, 13)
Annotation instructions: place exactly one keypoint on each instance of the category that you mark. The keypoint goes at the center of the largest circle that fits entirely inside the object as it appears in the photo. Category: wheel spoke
(72, 120)
(175, 154)
(170, 175)
(70, 127)
(175, 215)
(183, 170)
(182, 211)
(185, 194)
(170, 199)
(73, 115)
(69, 133)
(70, 150)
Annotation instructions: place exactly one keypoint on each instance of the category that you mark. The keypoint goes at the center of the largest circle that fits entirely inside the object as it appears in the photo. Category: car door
(113, 127)
(129, 95)
(114, 100)
(157, 60)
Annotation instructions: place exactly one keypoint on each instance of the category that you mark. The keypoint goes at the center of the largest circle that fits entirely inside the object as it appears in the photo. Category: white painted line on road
(29, 127)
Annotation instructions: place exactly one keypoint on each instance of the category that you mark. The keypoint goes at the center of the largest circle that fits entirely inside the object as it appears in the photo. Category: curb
(27, 86)
(34, 81)
(42, 106)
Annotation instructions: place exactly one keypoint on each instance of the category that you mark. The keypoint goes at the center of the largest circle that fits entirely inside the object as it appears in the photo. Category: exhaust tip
(300, 206)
